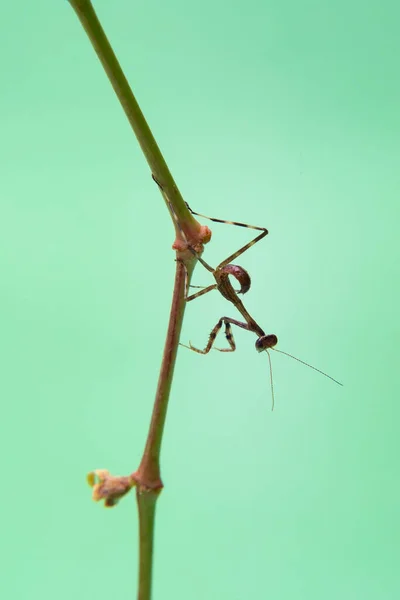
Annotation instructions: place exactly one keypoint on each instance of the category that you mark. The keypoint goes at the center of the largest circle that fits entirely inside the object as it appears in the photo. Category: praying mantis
(222, 283)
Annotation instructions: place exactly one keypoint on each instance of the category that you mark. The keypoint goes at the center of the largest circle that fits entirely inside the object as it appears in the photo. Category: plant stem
(90, 22)
(146, 502)
(148, 474)
(188, 232)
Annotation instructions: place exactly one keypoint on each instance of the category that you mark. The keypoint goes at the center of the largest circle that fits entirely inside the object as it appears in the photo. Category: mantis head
(266, 341)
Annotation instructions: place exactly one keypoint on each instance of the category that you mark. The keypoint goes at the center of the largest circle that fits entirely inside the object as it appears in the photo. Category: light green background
(284, 115)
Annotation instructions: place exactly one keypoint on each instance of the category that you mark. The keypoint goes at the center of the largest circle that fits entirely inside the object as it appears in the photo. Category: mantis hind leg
(238, 224)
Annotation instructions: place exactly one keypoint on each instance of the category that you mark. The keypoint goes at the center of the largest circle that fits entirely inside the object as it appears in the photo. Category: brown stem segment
(148, 473)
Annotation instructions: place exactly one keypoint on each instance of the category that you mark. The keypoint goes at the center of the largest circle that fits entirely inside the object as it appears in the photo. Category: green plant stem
(146, 502)
(148, 477)
(90, 22)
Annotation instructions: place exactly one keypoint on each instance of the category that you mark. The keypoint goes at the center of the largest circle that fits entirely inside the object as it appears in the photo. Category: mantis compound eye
(266, 341)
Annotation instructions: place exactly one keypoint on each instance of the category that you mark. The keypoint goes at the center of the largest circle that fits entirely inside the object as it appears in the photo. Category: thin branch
(148, 473)
(146, 502)
(90, 22)
(189, 232)
(148, 476)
